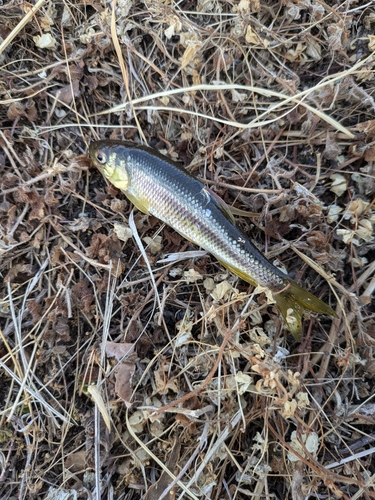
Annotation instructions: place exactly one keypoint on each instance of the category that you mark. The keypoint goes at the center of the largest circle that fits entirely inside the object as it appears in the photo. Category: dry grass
(126, 376)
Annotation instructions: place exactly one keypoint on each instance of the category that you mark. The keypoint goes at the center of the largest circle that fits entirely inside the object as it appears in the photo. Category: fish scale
(160, 187)
(195, 216)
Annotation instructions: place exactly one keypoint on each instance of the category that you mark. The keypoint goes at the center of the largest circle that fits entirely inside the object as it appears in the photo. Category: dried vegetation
(119, 383)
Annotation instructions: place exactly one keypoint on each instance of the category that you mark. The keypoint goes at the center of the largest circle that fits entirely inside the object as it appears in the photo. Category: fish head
(109, 158)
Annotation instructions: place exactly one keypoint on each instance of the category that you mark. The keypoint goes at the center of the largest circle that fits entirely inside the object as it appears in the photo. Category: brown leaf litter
(184, 384)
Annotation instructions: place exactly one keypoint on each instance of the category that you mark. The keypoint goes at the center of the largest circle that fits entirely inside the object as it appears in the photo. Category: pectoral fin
(142, 205)
(220, 204)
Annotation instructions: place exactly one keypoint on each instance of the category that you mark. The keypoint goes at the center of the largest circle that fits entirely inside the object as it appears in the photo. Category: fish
(160, 187)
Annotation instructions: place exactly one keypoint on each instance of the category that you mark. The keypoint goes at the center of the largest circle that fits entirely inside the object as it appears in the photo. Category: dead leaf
(332, 149)
(82, 295)
(163, 385)
(118, 350)
(67, 92)
(354, 209)
(76, 462)
(123, 386)
(191, 276)
(192, 44)
(364, 230)
(371, 42)
(15, 110)
(35, 309)
(156, 490)
(106, 249)
(122, 232)
(370, 154)
(20, 272)
(153, 244)
(368, 127)
(45, 41)
(80, 224)
(251, 37)
(36, 203)
(339, 184)
(222, 290)
(124, 371)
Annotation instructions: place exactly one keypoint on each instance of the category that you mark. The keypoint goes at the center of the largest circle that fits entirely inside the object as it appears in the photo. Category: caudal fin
(293, 300)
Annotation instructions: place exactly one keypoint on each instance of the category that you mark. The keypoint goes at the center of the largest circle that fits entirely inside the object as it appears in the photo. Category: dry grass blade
(145, 257)
(30, 13)
(98, 400)
(163, 467)
(284, 100)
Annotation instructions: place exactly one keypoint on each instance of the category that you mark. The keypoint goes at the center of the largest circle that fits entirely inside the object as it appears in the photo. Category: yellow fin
(140, 204)
(239, 273)
(293, 300)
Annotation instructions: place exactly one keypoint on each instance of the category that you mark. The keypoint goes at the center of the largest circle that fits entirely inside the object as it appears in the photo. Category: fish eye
(101, 157)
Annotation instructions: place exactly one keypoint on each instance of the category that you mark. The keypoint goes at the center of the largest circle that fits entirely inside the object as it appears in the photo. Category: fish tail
(293, 300)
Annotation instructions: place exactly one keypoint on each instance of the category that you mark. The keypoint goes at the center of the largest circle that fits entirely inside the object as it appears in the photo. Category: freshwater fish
(158, 186)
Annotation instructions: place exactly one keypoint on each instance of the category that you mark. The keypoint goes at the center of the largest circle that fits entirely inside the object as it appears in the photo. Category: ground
(123, 375)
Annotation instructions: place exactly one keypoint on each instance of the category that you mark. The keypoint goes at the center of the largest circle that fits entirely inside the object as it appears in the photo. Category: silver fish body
(160, 187)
